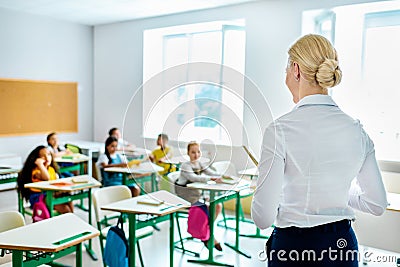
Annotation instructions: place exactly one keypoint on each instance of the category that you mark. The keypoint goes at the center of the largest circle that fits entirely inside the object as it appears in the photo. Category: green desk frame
(81, 168)
(51, 201)
(213, 201)
(140, 181)
(222, 223)
(44, 258)
(134, 225)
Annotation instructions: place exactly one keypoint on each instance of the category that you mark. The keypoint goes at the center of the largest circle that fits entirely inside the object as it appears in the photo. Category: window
(189, 104)
(367, 37)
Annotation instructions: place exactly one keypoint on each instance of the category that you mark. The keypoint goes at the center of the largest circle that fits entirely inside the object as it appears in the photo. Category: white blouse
(317, 164)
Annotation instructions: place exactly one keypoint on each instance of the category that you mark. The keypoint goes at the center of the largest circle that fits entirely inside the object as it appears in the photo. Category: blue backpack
(116, 250)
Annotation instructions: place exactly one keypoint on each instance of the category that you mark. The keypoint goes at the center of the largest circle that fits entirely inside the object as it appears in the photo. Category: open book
(251, 156)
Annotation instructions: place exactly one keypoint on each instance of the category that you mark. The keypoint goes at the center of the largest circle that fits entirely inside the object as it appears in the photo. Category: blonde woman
(317, 165)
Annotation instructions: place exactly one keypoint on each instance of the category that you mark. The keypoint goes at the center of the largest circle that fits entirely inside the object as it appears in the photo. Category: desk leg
(237, 213)
(256, 235)
(171, 239)
(81, 168)
(154, 186)
(210, 243)
(50, 202)
(78, 259)
(132, 239)
(88, 247)
(124, 179)
(17, 258)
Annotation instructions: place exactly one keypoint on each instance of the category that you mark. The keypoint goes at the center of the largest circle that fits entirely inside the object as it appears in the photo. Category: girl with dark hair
(111, 158)
(39, 166)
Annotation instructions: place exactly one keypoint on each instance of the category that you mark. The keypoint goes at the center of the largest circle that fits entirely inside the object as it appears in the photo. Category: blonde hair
(192, 143)
(317, 59)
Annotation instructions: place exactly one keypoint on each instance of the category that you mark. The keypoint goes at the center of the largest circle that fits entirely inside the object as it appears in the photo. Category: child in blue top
(111, 158)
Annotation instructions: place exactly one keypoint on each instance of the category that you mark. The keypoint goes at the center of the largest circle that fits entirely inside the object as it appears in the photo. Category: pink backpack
(40, 210)
(198, 219)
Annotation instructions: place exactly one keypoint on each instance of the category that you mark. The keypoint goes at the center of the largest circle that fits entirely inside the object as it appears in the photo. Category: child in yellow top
(39, 166)
(161, 154)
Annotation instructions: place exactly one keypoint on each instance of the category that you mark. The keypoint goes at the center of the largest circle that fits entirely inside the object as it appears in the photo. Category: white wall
(271, 27)
(39, 48)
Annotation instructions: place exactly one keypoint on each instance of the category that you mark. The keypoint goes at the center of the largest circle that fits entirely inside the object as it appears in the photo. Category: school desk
(141, 172)
(89, 148)
(78, 161)
(8, 174)
(76, 191)
(380, 232)
(10, 165)
(135, 152)
(252, 172)
(163, 212)
(226, 192)
(47, 240)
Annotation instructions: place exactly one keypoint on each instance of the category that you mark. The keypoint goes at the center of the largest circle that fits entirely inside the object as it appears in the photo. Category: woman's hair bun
(328, 74)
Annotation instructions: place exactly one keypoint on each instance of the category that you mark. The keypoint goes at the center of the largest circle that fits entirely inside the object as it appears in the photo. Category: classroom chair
(172, 177)
(73, 148)
(98, 173)
(105, 219)
(77, 168)
(9, 220)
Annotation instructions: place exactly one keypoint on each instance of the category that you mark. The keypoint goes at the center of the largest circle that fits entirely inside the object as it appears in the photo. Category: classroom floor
(155, 249)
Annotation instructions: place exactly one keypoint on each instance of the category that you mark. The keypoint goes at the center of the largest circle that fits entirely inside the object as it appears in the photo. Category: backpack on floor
(116, 250)
(40, 211)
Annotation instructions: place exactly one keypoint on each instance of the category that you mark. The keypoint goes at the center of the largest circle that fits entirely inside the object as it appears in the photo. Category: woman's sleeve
(188, 173)
(264, 208)
(367, 192)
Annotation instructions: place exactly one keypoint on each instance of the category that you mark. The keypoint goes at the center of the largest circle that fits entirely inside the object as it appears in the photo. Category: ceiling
(96, 12)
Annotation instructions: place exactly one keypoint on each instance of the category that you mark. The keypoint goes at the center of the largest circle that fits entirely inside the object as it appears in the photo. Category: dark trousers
(328, 245)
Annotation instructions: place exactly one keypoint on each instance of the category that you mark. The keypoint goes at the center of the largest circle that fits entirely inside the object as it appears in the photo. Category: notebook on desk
(73, 156)
(134, 162)
(230, 180)
(150, 201)
(251, 156)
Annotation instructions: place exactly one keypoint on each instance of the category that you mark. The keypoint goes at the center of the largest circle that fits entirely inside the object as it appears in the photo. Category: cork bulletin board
(35, 107)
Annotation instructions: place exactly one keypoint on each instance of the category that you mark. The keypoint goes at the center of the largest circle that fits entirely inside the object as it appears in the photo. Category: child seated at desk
(111, 158)
(162, 153)
(58, 151)
(39, 166)
(195, 171)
